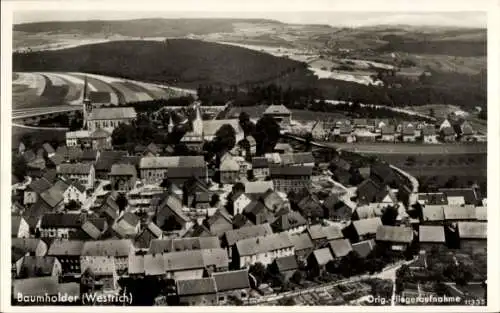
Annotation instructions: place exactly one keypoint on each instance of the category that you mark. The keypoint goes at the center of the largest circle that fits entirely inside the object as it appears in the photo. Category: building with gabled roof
(473, 236)
(303, 245)
(430, 236)
(60, 225)
(280, 113)
(396, 237)
(109, 118)
(263, 249)
(317, 260)
(364, 248)
(199, 291)
(120, 249)
(39, 266)
(81, 172)
(19, 227)
(232, 284)
(340, 247)
(68, 253)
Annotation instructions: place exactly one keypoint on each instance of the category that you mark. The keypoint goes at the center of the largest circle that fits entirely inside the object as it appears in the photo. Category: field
(412, 148)
(257, 111)
(43, 89)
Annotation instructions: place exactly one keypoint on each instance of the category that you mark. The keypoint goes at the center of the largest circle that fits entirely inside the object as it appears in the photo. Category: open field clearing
(42, 89)
(412, 149)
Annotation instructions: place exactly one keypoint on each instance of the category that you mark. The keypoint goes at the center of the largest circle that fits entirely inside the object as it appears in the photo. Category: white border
(8, 7)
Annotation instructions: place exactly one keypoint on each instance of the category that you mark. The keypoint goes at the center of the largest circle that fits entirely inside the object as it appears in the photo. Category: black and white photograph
(248, 158)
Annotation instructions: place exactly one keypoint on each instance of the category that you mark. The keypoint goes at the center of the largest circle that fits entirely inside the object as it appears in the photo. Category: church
(205, 130)
(106, 118)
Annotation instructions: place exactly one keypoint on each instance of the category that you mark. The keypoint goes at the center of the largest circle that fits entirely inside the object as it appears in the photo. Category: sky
(333, 12)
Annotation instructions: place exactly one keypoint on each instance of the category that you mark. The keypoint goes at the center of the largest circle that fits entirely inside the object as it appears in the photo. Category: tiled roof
(470, 195)
(210, 127)
(90, 229)
(27, 244)
(231, 280)
(183, 244)
(106, 113)
(433, 213)
(482, 213)
(467, 212)
(262, 244)
(258, 187)
(367, 226)
(395, 234)
(325, 232)
(183, 260)
(36, 266)
(364, 248)
(232, 236)
(388, 130)
(100, 265)
(297, 158)
(100, 96)
(301, 241)
(39, 185)
(61, 220)
(229, 164)
(154, 264)
(287, 263)
(322, 256)
(136, 264)
(472, 230)
(198, 286)
(429, 130)
(433, 198)
(290, 171)
(277, 109)
(65, 247)
(78, 134)
(340, 247)
(215, 257)
(172, 162)
(15, 224)
(448, 131)
(88, 155)
(431, 234)
(111, 247)
(108, 158)
(260, 162)
(74, 168)
(48, 148)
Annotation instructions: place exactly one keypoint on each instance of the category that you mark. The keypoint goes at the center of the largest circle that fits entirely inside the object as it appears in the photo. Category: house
(292, 222)
(388, 133)
(482, 213)
(49, 151)
(398, 238)
(94, 227)
(364, 248)
(237, 202)
(286, 266)
(104, 271)
(108, 118)
(258, 213)
(19, 227)
(248, 145)
(430, 237)
(466, 133)
(260, 167)
(263, 249)
(68, 253)
(345, 134)
(283, 148)
(319, 132)
(106, 161)
(320, 234)
(74, 192)
(181, 265)
(340, 248)
(408, 133)
(29, 246)
(199, 291)
(275, 202)
(158, 246)
(78, 138)
(39, 266)
(192, 188)
(459, 213)
(435, 198)
(81, 172)
(230, 237)
(229, 170)
(169, 214)
(149, 233)
(473, 236)
(101, 139)
(367, 191)
(433, 215)
(123, 177)
(258, 187)
(428, 134)
(176, 168)
(303, 246)
(447, 134)
(219, 223)
(471, 195)
(127, 225)
(107, 207)
(291, 178)
(337, 208)
(364, 229)
(60, 225)
(360, 123)
(120, 249)
(88, 156)
(34, 189)
(317, 260)
(382, 173)
(280, 113)
(232, 284)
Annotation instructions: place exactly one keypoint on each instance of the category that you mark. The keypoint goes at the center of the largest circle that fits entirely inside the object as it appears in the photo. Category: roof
(39, 185)
(74, 168)
(183, 244)
(277, 109)
(294, 218)
(388, 130)
(287, 263)
(61, 220)
(215, 257)
(90, 229)
(210, 127)
(136, 264)
(231, 280)
(448, 131)
(88, 155)
(429, 130)
(467, 212)
(340, 247)
(235, 235)
(297, 158)
(431, 234)
(263, 244)
(258, 187)
(408, 130)
(283, 147)
(367, 189)
(77, 135)
(100, 265)
(283, 171)
(154, 264)
(367, 226)
(472, 230)
(37, 286)
(100, 133)
(107, 113)
(435, 198)
(322, 256)
(36, 266)
(15, 224)
(65, 247)
(172, 162)
(108, 158)
(198, 286)
(394, 234)
(110, 247)
(433, 213)
(48, 148)
(470, 195)
(363, 248)
(229, 164)
(183, 260)
(302, 241)
(482, 213)
(154, 229)
(325, 232)
(260, 162)
(26, 244)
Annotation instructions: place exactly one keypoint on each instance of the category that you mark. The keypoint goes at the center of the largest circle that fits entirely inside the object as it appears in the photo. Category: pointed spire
(85, 91)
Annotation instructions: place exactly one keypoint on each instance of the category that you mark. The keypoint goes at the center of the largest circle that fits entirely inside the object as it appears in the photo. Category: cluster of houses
(93, 211)
(385, 130)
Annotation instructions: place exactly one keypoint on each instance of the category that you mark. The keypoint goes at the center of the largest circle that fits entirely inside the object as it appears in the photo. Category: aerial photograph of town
(249, 160)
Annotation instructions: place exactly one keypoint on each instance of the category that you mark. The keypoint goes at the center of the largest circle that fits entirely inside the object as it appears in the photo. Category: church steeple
(87, 104)
(198, 121)
(170, 123)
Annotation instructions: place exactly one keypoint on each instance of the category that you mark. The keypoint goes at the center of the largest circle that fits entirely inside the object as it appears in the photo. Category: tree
(246, 124)
(297, 277)
(87, 281)
(432, 113)
(121, 201)
(389, 216)
(225, 139)
(72, 205)
(266, 135)
(124, 134)
(258, 270)
(19, 166)
(214, 200)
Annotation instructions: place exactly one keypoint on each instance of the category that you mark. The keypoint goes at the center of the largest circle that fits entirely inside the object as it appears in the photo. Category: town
(234, 211)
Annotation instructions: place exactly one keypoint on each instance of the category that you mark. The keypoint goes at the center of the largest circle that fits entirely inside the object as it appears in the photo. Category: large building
(280, 113)
(177, 168)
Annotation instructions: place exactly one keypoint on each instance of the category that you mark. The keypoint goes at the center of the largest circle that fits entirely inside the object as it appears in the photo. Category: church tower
(198, 121)
(170, 124)
(87, 104)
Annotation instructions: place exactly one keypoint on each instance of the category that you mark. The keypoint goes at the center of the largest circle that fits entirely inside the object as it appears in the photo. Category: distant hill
(181, 62)
(155, 27)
